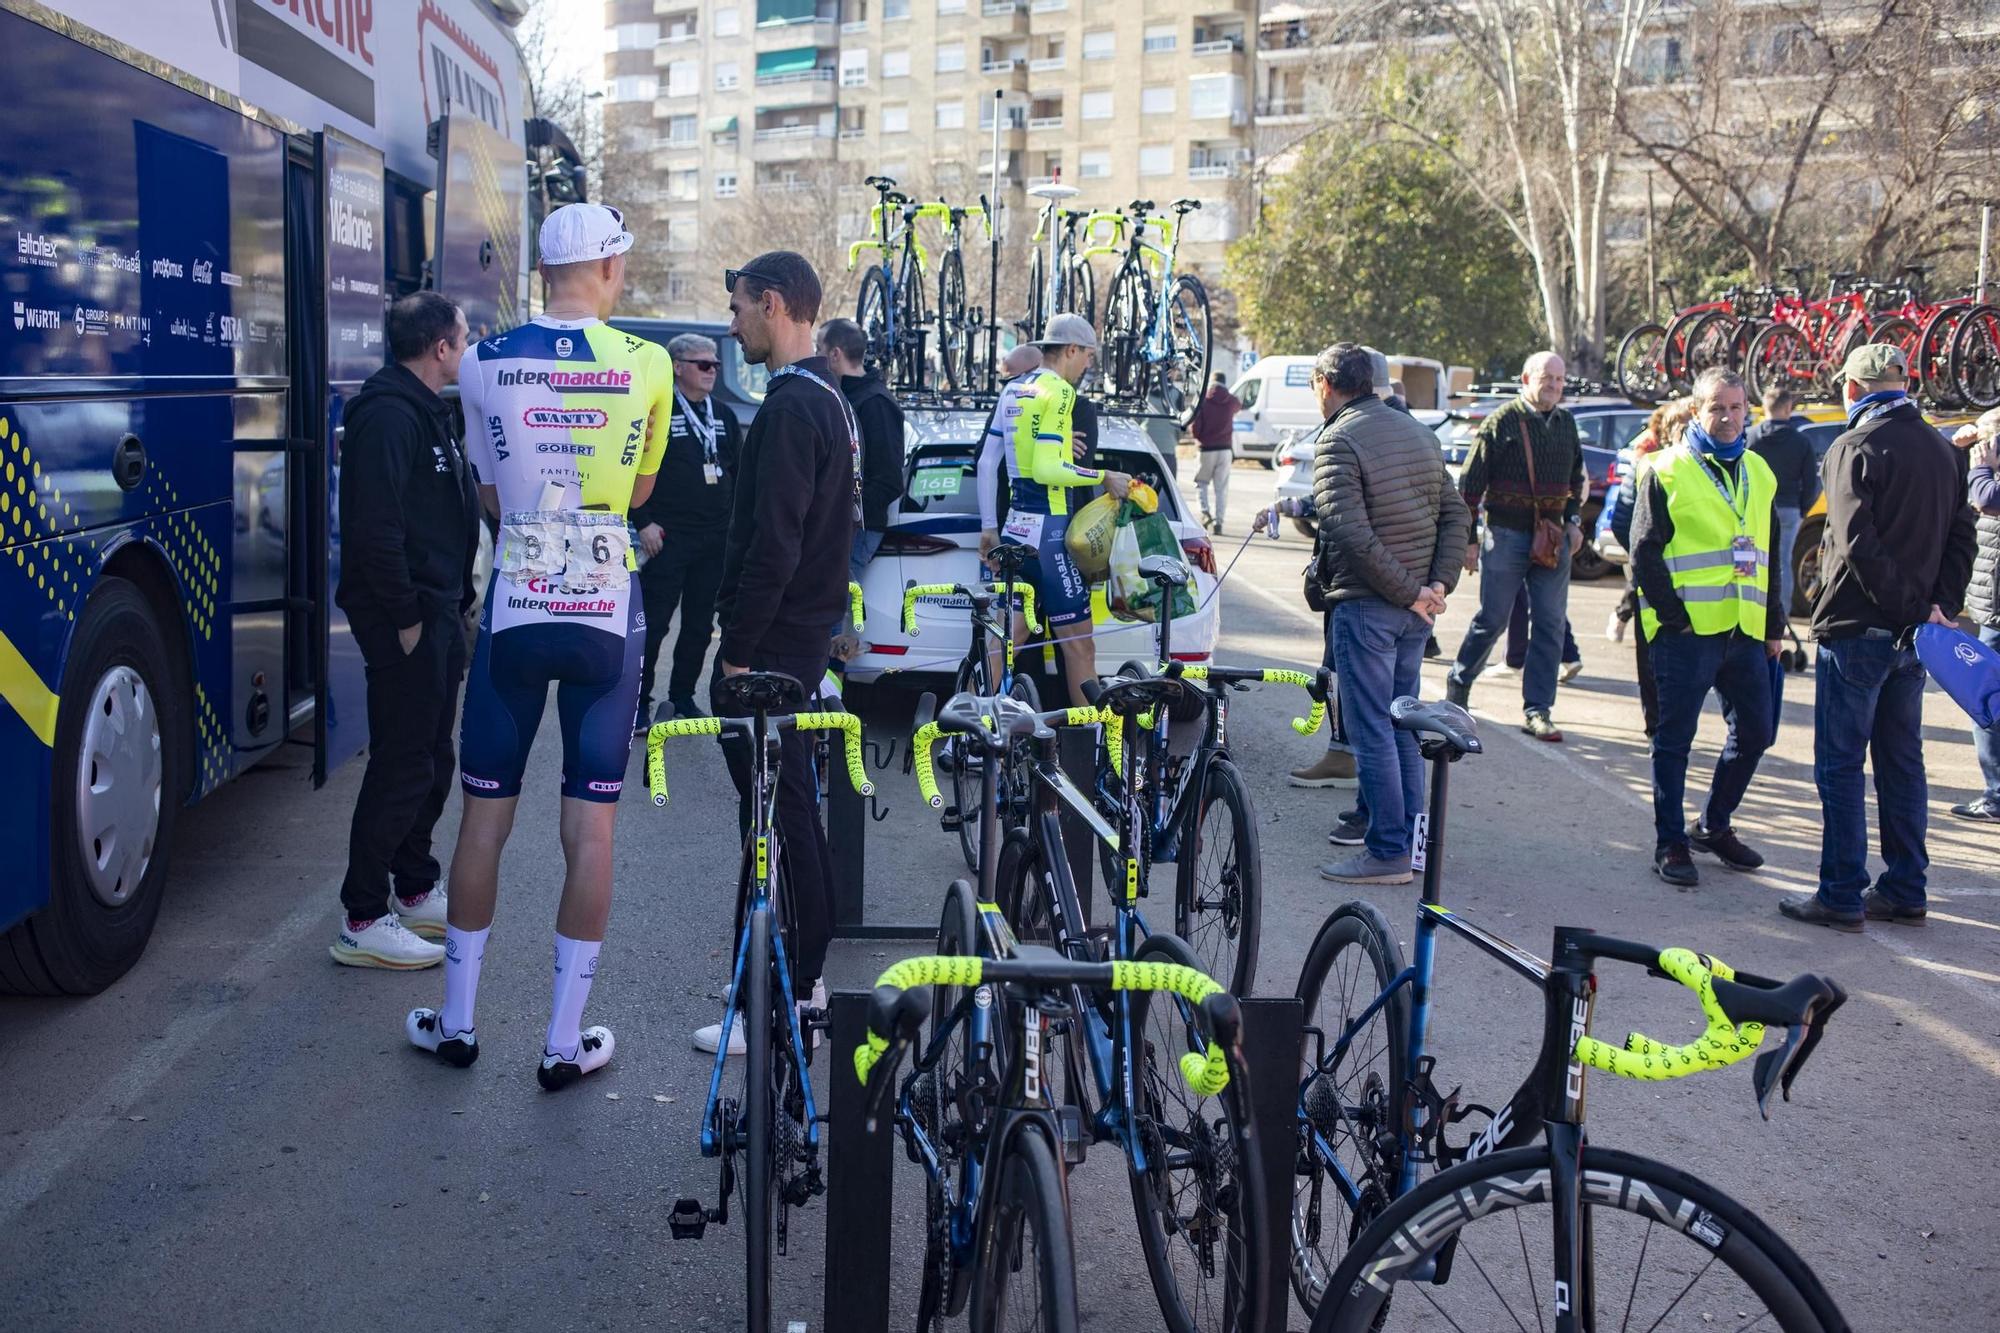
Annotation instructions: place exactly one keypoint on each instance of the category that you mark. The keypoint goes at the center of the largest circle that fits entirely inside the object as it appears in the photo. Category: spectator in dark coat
(1214, 431)
(1785, 449)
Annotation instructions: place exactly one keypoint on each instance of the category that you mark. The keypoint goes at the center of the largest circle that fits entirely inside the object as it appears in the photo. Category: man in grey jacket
(1393, 532)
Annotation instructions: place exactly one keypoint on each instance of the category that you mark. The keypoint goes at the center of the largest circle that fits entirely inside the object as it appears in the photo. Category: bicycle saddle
(966, 714)
(1141, 206)
(1839, 277)
(1007, 558)
(761, 692)
(1186, 205)
(1165, 571)
(1446, 721)
(1129, 698)
(1916, 270)
(880, 183)
(1054, 190)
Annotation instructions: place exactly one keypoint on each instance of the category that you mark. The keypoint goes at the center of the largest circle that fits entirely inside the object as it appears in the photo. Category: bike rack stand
(847, 820)
(1078, 756)
(860, 1190)
(1271, 1031)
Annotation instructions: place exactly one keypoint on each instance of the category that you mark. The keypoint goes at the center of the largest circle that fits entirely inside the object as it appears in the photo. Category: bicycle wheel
(954, 333)
(1673, 350)
(1975, 358)
(1017, 790)
(1183, 374)
(1710, 341)
(1637, 367)
(913, 356)
(1026, 1278)
(1083, 289)
(871, 312)
(1352, 1103)
(1038, 292)
(1782, 357)
(1218, 905)
(1933, 361)
(1124, 332)
(1199, 1199)
(935, 1098)
(760, 1182)
(1489, 1225)
(967, 764)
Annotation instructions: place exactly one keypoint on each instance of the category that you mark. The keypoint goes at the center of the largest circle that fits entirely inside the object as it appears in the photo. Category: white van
(1277, 396)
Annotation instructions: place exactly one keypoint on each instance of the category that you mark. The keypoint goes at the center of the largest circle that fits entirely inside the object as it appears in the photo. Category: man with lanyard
(566, 420)
(1033, 432)
(681, 527)
(1703, 530)
(784, 571)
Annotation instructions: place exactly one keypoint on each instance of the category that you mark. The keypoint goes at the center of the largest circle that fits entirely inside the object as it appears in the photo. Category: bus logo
(564, 418)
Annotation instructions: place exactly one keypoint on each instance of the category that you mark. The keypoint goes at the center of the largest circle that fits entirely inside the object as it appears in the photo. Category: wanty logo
(35, 249)
(167, 268)
(35, 317)
(564, 418)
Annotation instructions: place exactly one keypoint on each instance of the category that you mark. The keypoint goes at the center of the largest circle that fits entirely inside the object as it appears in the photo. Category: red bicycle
(1655, 360)
(1805, 343)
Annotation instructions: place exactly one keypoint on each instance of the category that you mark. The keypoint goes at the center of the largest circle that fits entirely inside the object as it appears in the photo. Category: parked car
(739, 385)
(933, 537)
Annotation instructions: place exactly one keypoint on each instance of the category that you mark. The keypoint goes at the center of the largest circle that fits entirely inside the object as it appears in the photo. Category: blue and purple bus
(206, 206)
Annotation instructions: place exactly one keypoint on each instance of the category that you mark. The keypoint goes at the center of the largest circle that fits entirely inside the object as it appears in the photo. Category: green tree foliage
(1377, 243)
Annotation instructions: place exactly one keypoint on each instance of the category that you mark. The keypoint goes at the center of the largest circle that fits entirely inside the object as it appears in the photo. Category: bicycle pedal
(951, 821)
(687, 1220)
(1069, 1126)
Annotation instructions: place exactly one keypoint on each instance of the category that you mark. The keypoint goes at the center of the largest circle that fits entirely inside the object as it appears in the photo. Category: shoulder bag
(1548, 545)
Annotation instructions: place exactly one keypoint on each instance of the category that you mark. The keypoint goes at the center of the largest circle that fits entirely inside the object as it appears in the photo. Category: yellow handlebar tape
(1722, 1044)
(1310, 723)
(855, 607)
(1025, 591)
(1206, 1073)
(846, 723)
(920, 749)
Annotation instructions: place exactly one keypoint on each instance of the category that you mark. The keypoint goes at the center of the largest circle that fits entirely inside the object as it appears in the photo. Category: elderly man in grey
(682, 525)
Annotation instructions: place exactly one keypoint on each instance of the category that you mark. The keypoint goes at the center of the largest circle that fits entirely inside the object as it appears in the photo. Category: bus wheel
(113, 802)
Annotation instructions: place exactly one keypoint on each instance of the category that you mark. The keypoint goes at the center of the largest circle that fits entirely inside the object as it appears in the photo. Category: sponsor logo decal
(92, 322)
(481, 783)
(457, 72)
(35, 248)
(167, 268)
(573, 450)
(596, 381)
(564, 347)
(37, 317)
(231, 279)
(204, 272)
(564, 418)
(105, 257)
(606, 787)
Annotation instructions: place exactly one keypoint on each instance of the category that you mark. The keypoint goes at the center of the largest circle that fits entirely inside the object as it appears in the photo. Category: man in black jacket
(409, 527)
(880, 418)
(784, 570)
(1785, 449)
(1897, 553)
(682, 524)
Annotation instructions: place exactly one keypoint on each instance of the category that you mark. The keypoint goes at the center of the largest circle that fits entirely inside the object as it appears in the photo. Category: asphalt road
(237, 1137)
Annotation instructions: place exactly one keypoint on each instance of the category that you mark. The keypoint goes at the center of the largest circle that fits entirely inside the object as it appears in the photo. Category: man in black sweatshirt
(1778, 440)
(880, 417)
(784, 568)
(409, 527)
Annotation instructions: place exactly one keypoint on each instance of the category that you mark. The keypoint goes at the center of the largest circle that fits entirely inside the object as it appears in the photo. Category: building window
(728, 22)
(683, 186)
(680, 235)
(1100, 45)
(951, 115)
(635, 37)
(854, 67)
(951, 58)
(895, 120)
(951, 6)
(634, 88)
(1097, 105)
(725, 185)
(1013, 117)
(896, 64)
(680, 129)
(1157, 100)
(895, 9)
(1156, 159)
(1214, 96)
(728, 73)
(1094, 164)
(683, 78)
(680, 289)
(1160, 37)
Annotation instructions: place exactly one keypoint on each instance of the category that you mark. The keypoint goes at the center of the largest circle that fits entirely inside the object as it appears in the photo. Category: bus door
(481, 214)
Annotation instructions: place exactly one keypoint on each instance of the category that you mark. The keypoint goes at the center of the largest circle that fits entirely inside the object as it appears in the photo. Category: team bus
(207, 205)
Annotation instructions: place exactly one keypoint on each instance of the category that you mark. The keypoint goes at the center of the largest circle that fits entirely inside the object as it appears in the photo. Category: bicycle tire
(1125, 310)
(1038, 294)
(1184, 373)
(1975, 358)
(954, 335)
(1018, 791)
(1359, 931)
(944, 1287)
(1710, 343)
(1782, 356)
(759, 1180)
(1213, 1141)
(1637, 366)
(1032, 1199)
(1934, 354)
(1673, 359)
(871, 312)
(1619, 1184)
(1083, 290)
(965, 779)
(1233, 902)
(910, 320)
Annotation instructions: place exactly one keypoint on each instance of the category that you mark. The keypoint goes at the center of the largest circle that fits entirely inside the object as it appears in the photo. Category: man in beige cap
(1897, 553)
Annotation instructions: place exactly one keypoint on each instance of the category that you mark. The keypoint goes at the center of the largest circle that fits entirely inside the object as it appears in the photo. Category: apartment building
(734, 101)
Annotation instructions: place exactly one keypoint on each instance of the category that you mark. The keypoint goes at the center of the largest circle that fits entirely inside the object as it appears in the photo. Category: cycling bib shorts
(584, 406)
(1031, 437)
(1063, 593)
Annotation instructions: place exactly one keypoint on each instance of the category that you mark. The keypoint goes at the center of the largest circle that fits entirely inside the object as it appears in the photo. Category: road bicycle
(1106, 1063)
(1157, 342)
(1366, 1235)
(992, 610)
(1196, 808)
(891, 308)
(960, 324)
(1803, 347)
(760, 1111)
(1975, 358)
(1060, 279)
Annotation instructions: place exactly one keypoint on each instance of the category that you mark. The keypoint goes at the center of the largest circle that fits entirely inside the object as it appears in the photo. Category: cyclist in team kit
(566, 420)
(1031, 431)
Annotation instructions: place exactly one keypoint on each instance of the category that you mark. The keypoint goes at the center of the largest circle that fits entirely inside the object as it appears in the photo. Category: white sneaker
(1570, 670)
(426, 1032)
(425, 916)
(593, 1052)
(708, 1038)
(1501, 672)
(384, 942)
(1614, 628)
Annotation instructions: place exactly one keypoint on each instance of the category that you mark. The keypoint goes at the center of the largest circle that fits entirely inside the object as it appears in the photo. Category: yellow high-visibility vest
(1709, 515)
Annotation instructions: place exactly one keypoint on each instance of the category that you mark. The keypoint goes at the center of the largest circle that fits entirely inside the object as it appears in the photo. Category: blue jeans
(1870, 700)
(1986, 740)
(1378, 650)
(1503, 568)
(1687, 667)
(1788, 537)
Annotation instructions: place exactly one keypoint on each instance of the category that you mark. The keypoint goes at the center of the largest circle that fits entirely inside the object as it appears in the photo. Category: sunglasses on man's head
(710, 366)
(730, 276)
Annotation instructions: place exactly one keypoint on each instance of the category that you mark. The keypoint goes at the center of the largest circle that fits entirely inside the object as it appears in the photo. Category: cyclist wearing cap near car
(1032, 431)
(566, 420)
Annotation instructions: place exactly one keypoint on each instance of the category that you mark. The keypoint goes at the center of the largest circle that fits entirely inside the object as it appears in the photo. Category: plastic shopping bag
(1968, 670)
(1126, 586)
(1089, 537)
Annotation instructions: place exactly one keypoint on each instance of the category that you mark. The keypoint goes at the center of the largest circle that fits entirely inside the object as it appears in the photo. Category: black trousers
(685, 574)
(412, 711)
(806, 869)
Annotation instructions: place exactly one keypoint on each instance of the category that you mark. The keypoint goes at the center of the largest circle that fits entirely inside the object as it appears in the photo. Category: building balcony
(810, 87)
(1045, 122)
(822, 29)
(1007, 66)
(1222, 46)
(1047, 6)
(1009, 18)
(1047, 64)
(1000, 9)
(854, 26)
(1212, 171)
(789, 143)
(849, 133)
(669, 8)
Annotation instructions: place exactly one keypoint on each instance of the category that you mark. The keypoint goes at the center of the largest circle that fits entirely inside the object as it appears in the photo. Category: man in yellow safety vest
(1703, 530)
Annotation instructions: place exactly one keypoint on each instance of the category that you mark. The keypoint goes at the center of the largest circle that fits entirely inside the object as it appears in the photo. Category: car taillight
(1200, 552)
(916, 543)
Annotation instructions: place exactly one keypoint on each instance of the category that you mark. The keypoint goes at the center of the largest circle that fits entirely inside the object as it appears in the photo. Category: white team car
(933, 537)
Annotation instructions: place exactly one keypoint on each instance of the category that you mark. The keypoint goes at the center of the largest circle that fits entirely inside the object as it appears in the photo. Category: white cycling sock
(464, 951)
(576, 968)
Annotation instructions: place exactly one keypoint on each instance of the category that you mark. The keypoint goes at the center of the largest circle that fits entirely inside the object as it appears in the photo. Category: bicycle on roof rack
(1157, 341)
(1060, 279)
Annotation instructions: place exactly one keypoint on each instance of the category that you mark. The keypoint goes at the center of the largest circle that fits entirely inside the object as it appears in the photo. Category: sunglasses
(710, 366)
(730, 276)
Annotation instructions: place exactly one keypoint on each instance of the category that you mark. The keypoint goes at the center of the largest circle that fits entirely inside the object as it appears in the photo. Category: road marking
(1954, 1039)
(50, 1152)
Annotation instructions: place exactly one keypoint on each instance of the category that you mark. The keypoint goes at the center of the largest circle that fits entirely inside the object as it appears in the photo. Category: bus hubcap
(118, 785)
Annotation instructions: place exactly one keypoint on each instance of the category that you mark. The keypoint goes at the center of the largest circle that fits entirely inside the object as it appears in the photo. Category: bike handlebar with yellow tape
(1305, 726)
(855, 607)
(931, 733)
(1025, 591)
(847, 724)
(1206, 1073)
(1722, 1044)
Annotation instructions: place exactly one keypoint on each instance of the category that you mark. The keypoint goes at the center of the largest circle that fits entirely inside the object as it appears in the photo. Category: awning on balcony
(795, 61)
(722, 124)
(785, 11)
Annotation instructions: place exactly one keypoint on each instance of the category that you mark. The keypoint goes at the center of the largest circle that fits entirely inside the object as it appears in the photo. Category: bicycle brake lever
(883, 1079)
(1780, 1067)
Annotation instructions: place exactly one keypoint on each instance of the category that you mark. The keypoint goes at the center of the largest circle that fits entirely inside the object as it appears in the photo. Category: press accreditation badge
(711, 473)
(1743, 554)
